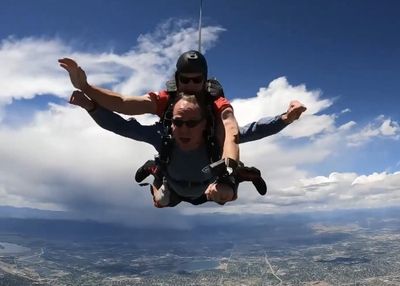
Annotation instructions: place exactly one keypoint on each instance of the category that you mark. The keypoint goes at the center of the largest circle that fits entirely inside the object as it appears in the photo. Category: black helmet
(192, 62)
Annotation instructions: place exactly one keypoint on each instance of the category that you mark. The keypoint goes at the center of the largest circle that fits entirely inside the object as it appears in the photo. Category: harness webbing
(213, 148)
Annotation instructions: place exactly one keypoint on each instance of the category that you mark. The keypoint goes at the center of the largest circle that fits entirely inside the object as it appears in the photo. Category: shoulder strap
(214, 88)
(214, 91)
(213, 148)
(163, 157)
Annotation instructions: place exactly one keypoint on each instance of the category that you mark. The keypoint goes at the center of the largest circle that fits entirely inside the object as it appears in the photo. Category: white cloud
(310, 125)
(29, 65)
(380, 127)
(337, 191)
(28, 68)
(347, 126)
(275, 99)
(62, 160)
(389, 128)
(375, 177)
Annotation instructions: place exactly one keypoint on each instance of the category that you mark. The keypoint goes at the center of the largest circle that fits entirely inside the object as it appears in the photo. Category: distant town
(358, 251)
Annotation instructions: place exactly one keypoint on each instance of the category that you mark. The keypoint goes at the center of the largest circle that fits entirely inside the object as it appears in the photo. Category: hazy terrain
(344, 247)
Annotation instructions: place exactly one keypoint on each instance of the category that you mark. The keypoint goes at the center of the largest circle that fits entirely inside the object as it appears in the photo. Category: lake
(11, 248)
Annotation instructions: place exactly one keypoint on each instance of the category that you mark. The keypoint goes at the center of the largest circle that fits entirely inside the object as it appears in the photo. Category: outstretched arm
(262, 128)
(132, 105)
(115, 123)
(267, 126)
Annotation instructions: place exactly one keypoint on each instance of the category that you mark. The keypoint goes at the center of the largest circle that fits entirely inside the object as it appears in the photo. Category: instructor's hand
(76, 73)
(220, 193)
(296, 108)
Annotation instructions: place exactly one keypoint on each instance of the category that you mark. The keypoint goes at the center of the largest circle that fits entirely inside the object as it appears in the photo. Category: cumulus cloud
(29, 65)
(28, 68)
(61, 160)
(275, 98)
(320, 193)
(380, 127)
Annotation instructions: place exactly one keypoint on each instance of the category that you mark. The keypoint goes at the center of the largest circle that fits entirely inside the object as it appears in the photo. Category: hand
(76, 74)
(80, 99)
(220, 193)
(296, 108)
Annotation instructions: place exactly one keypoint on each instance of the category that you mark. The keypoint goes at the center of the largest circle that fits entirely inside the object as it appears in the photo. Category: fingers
(78, 98)
(211, 192)
(296, 108)
(220, 193)
(295, 103)
(68, 62)
(299, 110)
(66, 67)
(74, 94)
(209, 195)
(63, 66)
(297, 115)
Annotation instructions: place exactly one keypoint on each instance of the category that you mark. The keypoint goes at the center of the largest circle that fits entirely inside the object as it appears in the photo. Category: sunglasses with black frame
(189, 123)
(186, 79)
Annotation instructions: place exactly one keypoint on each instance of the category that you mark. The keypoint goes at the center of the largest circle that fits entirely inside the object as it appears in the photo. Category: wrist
(92, 107)
(231, 165)
(85, 87)
(285, 118)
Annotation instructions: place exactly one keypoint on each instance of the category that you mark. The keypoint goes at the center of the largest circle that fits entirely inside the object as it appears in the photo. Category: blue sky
(342, 58)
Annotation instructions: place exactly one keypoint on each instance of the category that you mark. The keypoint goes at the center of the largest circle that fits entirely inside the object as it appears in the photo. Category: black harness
(217, 167)
(213, 148)
(163, 158)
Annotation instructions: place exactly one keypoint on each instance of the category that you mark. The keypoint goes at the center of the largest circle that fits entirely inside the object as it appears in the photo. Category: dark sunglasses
(189, 123)
(186, 80)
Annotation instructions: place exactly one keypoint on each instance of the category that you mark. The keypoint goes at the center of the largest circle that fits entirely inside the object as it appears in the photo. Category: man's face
(191, 82)
(188, 125)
